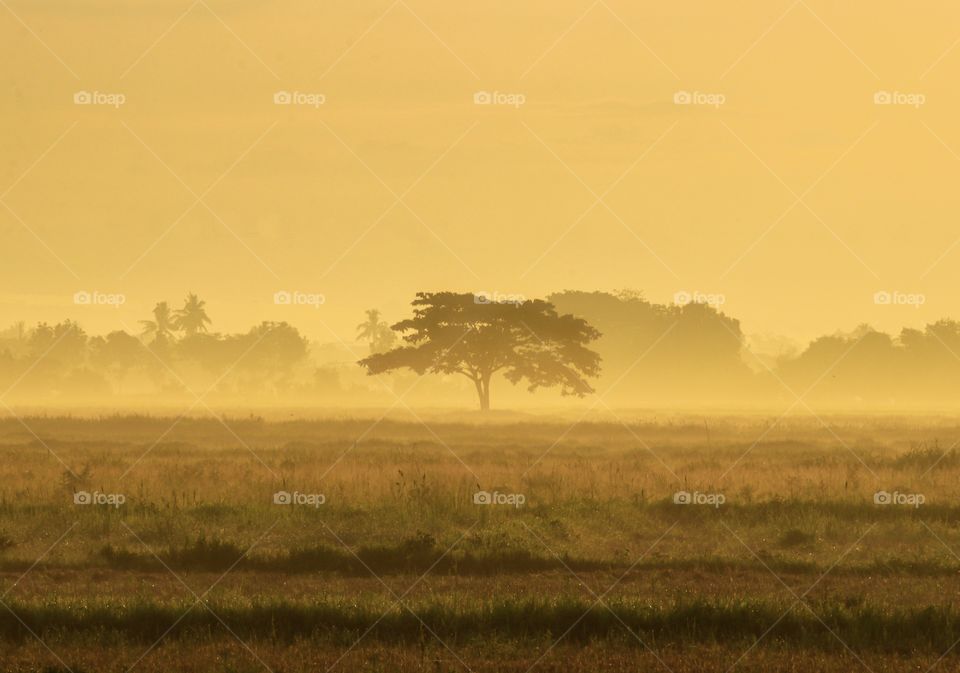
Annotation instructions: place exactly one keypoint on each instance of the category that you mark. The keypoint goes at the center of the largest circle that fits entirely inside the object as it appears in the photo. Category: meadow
(358, 543)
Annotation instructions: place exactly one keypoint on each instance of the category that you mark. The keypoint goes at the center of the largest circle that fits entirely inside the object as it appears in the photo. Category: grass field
(183, 560)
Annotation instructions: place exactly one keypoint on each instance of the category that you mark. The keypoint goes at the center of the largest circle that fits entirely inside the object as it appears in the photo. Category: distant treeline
(63, 361)
(653, 355)
(670, 355)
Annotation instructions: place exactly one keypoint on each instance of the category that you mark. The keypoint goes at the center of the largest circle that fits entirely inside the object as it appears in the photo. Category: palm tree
(162, 326)
(192, 318)
(377, 332)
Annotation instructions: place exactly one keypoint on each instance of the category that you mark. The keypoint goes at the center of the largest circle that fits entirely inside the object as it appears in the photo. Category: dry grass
(499, 583)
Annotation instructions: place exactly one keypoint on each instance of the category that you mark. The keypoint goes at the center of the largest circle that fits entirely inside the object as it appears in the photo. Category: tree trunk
(479, 386)
(485, 393)
(482, 383)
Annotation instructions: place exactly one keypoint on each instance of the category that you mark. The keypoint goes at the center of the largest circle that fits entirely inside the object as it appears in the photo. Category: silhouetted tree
(115, 355)
(208, 351)
(162, 326)
(52, 353)
(453, 333)
(192, 318)
(64, 343)
(663, 353)
(377, 332)
(266, 357)
(862, 367)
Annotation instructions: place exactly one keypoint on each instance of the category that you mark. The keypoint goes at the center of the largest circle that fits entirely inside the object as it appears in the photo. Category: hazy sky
(782, 185)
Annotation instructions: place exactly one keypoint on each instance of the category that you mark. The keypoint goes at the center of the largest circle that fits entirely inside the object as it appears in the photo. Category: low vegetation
(361, 544)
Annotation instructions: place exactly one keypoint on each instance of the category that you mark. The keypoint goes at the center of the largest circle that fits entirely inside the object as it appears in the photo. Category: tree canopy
(453, 333)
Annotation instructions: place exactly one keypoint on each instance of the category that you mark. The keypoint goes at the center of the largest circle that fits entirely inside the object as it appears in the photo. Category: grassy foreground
(198, 567)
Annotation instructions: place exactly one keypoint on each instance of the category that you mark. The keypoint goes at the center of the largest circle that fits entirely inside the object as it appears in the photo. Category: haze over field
(542, 337)
(796, 199)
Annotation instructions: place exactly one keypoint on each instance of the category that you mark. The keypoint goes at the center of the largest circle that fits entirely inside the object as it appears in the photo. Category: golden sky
(782, 185)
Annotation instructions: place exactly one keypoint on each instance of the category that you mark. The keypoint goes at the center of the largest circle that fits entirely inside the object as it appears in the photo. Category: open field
(593, 566)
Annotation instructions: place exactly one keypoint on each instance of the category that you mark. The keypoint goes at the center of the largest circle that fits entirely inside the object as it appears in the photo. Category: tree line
(631, 351)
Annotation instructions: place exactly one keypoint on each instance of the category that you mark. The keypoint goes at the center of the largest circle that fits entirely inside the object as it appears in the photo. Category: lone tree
(471, 335)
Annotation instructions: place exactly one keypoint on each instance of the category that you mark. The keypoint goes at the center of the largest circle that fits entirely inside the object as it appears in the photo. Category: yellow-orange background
(700, 199)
